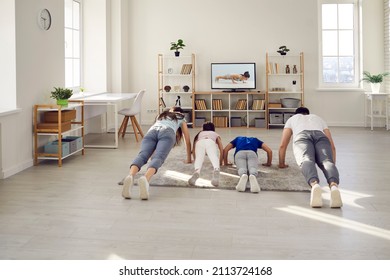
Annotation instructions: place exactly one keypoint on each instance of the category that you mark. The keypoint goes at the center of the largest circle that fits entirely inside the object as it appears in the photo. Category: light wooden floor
(77, 212)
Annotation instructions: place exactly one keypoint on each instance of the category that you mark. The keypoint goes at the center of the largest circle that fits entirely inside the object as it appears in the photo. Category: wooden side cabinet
(58, 131)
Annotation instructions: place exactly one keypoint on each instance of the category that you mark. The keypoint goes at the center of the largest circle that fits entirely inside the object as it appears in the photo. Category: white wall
(231, 31)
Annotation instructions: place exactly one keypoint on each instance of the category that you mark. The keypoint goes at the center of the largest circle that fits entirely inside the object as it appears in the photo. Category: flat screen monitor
(233, 76)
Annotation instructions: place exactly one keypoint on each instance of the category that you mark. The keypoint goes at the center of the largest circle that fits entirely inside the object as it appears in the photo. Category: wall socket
(151, 111)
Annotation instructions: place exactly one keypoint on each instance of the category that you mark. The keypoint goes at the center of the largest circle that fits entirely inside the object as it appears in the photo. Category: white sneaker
(241, 186)
(193, 179)
(254, 184)
(143, 188)
(215, 180)
(335, 198)
(127, 186)
(316, 196)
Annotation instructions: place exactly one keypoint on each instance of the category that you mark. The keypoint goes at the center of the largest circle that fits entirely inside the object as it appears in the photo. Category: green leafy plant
(61, 93)
(283, 50)
(176, 46)
(374, 79)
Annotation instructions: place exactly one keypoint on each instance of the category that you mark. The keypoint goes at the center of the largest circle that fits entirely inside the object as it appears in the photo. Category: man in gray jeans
(312, 144)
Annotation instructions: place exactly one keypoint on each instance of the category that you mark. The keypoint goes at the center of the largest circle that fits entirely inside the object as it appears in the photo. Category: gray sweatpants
(312, 147)
(245, 161)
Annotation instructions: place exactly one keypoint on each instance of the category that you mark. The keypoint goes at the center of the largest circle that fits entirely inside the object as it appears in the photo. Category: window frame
(356, 45)
(76, 88)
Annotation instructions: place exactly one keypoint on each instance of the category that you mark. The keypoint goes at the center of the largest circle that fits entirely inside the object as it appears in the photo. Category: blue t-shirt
(246, 143)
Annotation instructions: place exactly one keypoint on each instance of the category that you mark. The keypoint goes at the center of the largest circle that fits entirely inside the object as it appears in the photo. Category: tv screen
(233, 76)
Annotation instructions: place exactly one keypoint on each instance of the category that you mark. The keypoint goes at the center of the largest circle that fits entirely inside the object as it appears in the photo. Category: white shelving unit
(57, 132)
(246, 116)
(178, 73)
(279, 84)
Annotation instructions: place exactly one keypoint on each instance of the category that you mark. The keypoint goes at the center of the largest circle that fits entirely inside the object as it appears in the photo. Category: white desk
(105, 99)
(376, 106)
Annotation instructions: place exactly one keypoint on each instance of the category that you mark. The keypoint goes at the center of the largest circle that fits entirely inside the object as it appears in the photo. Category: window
(72, 44)
(339, 47)
(387, 43)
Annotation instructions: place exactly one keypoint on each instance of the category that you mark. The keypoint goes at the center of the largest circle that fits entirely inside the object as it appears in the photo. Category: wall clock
(44, 19)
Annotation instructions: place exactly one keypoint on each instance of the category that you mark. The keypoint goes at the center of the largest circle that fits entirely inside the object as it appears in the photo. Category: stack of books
(221, 121)
(186, 69)
(200, 104)
(258, 104)
(241, 104)
(217, 104)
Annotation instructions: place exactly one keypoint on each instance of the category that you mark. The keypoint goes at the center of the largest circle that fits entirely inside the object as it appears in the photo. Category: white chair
(131, 112)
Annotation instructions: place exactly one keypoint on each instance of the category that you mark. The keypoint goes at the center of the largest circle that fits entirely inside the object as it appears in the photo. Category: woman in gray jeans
(312, 144)
(167, 131)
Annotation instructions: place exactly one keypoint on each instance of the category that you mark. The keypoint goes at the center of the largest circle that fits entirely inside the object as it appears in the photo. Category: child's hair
(174, 113)
(207, 126)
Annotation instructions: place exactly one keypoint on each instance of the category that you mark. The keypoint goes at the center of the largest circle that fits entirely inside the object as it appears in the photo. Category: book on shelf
(200, 104)
(258, 104)
(241, 104)
(220, 121)
(186, 69)
(217, 104)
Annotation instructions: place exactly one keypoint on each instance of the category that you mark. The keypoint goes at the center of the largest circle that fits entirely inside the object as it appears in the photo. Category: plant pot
(375, 87)
(62, 102)
(177, 53)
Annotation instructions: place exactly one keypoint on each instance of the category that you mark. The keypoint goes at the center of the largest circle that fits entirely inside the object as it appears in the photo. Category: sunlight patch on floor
(337, 221)
(349, 198)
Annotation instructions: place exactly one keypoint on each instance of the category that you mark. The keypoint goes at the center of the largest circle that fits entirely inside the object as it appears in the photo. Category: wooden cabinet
(176, 82)
(58, 131)
(284, 80)
(229, 109)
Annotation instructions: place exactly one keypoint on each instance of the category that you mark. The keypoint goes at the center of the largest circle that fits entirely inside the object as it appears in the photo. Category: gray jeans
(312, 147)
(158, 140)
(245, 161)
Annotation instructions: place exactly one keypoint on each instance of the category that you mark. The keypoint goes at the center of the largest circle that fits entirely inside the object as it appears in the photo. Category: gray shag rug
(175, 173)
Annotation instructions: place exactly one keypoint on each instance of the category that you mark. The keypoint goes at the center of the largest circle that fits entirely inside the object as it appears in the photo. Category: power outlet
(151, 111)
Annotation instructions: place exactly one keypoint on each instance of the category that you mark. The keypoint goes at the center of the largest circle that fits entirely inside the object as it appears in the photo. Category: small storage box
(52, 148)
(276, 118)
(75, 142)
(200, 121)
(235, 121)
(54, 126)
(259, 123)
(66, 116)
(286, 116)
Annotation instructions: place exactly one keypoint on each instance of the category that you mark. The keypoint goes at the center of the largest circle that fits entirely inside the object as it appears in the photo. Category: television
(233, 76)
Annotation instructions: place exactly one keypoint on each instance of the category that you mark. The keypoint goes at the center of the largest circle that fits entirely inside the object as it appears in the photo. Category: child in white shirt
(206, 142)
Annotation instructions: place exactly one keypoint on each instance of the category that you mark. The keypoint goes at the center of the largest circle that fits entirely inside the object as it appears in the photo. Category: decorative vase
(62, 102)
(375, 87)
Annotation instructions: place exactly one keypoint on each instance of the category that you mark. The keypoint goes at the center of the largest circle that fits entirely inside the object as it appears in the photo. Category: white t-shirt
(301, 122)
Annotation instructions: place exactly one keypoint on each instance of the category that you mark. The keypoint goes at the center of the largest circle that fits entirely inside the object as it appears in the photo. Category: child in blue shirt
(246, 160)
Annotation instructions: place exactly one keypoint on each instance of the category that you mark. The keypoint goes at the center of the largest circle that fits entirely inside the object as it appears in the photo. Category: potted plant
(283, 50)
(176, 46)
(374, 80)
(61, 95)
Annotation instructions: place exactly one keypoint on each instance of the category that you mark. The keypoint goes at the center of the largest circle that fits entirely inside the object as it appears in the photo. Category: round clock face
(44, 19)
